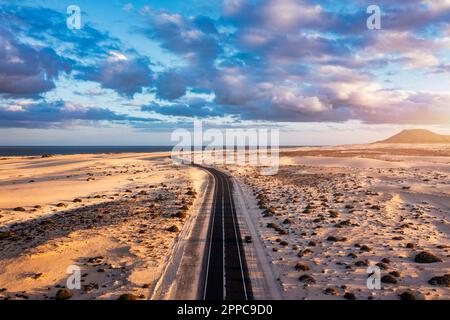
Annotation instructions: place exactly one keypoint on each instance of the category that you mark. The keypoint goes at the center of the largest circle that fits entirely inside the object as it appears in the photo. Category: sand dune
(115, 216)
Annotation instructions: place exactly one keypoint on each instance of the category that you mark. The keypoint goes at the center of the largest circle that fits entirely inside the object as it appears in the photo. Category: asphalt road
(225, 269)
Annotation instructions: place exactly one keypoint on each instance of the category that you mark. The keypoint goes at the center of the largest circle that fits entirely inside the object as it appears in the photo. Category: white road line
(210, 240)
(237, 239)
(223, 243)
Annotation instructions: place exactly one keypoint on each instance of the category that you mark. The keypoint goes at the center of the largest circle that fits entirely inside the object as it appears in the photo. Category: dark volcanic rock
(173, 229)
(301, 267)
(407, 295)
(63, 294)
(349, 296)
(331, 291)
(443, 281)
(388, 279)
(426, 257)
(307, 279)
(395, 274)
(127, 296)
(362, 263)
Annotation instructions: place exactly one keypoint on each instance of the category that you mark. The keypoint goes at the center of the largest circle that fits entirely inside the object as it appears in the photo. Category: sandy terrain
(330, 213)
(116, 217)
(317, 225)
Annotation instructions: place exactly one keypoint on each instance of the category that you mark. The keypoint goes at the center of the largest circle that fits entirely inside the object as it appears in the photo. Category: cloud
(57, 114)
(299, 60)
(27, 70)
(89, 53)
(196, 108)
(193, 39)
(274, 60)
(126, 76)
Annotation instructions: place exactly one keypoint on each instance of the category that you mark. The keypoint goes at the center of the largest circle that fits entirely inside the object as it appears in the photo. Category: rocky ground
(324, 225)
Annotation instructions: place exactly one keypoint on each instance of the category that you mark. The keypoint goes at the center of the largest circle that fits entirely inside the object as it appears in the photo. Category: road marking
(223, 241)
(237, 239)
(210, 240)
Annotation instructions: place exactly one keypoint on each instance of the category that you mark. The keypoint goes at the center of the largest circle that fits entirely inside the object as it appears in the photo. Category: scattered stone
(333, 214)
(96, 260)
(410, 245)
(173, 229)
(362, 263)
(63, 294)
(407, 295)
(312, 243)
(395, 274)
(305, 252)
(382, 266)
(20, 209)
(388, 279)
(331, 291)
(306, 279)
(349, 296)
(426, 257)
(37, 275)
(442, 281)
(336, 239)
(301, 267)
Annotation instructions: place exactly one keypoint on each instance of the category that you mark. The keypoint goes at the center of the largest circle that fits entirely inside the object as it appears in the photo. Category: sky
(137, 70)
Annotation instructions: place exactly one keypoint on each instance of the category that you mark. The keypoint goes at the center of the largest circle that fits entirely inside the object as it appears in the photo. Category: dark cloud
(88, 48)
(26, 70)
(126, 77)
(196, 40)
(195, 108)
(58, 114)
(171, 85)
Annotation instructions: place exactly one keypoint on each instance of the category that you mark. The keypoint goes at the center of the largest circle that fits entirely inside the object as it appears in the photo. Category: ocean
(54, 150)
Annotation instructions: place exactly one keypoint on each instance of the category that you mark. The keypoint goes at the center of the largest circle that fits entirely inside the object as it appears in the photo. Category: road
(225, 269)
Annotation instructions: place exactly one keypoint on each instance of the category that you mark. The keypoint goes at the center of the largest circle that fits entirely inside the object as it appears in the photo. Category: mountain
(417, 136)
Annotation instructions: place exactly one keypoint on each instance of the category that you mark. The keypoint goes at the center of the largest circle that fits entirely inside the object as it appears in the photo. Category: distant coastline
(22, 151)
(57, 150)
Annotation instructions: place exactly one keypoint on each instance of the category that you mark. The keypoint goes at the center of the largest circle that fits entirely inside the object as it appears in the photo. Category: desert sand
(317, 225)
(330, 213)
(116, 217)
